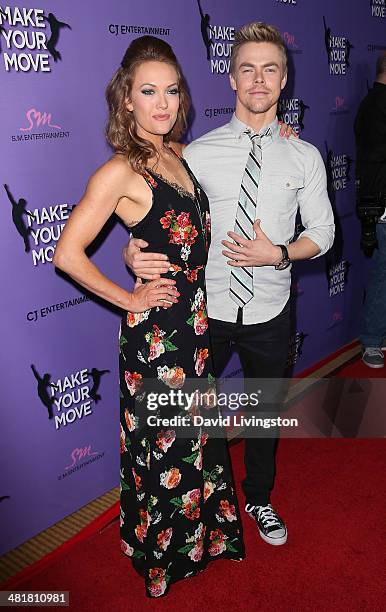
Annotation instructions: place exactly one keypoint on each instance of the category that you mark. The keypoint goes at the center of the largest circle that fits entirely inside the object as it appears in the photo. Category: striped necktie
(241, 282)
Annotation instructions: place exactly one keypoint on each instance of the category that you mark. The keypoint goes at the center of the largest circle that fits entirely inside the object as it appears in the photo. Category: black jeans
(262, 348)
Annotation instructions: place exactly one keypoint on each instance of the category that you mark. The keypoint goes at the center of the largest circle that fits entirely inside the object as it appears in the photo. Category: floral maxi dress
(178, 505)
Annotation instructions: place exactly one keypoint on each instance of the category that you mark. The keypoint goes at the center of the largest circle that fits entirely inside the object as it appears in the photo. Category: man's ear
(232, 82)
(283, 80)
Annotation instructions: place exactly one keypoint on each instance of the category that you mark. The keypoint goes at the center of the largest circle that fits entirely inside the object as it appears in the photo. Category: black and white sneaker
(271, 527)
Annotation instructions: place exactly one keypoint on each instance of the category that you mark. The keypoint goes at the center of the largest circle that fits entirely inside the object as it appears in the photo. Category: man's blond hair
(258, 32)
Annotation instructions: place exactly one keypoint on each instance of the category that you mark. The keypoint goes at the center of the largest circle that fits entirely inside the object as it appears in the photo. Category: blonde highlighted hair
(258, 32)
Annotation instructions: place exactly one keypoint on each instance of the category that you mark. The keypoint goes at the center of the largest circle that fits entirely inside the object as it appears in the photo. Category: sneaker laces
(373, 351)
(266, 514)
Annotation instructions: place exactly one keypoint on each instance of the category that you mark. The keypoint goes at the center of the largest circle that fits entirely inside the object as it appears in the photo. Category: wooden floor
(48, 540)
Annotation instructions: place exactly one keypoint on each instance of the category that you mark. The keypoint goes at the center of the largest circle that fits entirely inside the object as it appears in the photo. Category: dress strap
(175, 153)
(150, 180)
(186, 166)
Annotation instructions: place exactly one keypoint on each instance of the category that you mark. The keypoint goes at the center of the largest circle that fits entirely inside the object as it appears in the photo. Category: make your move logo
(338, 169)
(378, 8)
(337, 276)
(71, 396)
(338, 51)
(26, 42)
(292, 111)
(43, 225)
(218, 43)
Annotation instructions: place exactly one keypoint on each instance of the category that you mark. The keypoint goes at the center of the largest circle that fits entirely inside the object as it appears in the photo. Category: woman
(178, 506)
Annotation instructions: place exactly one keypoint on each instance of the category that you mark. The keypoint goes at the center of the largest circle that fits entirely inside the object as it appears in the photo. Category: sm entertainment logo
(336, 319)
(35, 119)
(296, 289)
(80, 453)
(291, 43)
(39, 125)
(339, 106)
(80, 458)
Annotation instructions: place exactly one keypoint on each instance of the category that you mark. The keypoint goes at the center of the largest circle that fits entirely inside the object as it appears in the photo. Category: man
(370, 135)
(255, 182)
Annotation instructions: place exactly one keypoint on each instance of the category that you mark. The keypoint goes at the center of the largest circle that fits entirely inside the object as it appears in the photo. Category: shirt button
(288, 185)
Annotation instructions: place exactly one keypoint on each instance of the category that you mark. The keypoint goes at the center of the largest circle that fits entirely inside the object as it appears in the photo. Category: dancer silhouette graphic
(96, 376)
(303, 107)
(327, 39)
(205, 29)
(328, 159)
(327, 42)
(2, 28)
(349, 46)
(55, 26)
(18, 210)
(43, 384)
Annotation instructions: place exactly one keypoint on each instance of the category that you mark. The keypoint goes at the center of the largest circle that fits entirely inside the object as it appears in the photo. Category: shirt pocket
(278, 205)
(278, 195)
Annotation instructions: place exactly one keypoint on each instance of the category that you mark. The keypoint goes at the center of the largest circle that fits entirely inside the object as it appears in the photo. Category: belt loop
(239, 315)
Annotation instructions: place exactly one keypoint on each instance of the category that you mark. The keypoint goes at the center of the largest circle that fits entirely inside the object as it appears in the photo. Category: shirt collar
(239, 127)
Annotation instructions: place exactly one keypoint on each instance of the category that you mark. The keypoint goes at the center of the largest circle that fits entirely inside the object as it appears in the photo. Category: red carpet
(357, 369)
(331, 493)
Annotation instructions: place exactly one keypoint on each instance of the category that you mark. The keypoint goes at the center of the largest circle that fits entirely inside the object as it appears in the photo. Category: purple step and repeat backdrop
(59, 376)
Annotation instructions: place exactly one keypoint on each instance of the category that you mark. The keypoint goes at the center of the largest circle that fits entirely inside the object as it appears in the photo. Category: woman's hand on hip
(161, 292)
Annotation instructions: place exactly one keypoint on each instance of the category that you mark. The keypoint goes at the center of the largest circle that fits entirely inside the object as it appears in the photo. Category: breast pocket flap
(284, 181)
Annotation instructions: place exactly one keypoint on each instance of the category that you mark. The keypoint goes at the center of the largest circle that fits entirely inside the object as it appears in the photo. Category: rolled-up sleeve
(314, 204)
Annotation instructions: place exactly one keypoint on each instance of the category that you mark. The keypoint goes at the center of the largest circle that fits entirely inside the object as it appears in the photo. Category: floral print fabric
(178, 506)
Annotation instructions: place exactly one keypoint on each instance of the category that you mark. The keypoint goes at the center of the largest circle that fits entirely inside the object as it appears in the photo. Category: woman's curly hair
(121, 130)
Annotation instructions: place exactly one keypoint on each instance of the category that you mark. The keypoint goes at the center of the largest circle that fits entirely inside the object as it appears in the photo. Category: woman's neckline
(179, 188)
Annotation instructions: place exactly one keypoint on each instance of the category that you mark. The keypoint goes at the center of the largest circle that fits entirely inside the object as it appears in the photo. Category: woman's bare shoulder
(115, 170)
(119, 166)
(113, 179)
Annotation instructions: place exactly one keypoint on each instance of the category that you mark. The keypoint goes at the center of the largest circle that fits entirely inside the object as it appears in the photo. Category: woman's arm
(106, 186)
